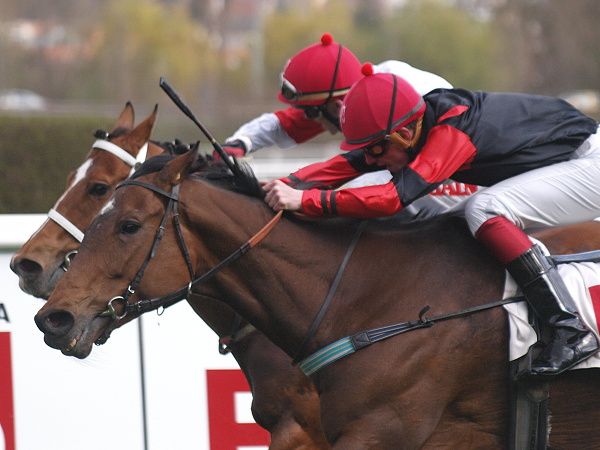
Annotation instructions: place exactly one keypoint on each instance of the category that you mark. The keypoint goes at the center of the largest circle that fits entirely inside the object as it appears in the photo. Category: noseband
(66, 224)
(171, 209)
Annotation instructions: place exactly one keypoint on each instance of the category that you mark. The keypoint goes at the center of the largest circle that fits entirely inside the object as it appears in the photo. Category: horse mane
(207, 168)
(174, 147)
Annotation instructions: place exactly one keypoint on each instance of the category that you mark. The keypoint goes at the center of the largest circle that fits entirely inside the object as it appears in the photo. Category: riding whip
(165, 86)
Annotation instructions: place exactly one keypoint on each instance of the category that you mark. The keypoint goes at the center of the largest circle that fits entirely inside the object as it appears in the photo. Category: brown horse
(40, 262)
(284, 401)
(440, 387)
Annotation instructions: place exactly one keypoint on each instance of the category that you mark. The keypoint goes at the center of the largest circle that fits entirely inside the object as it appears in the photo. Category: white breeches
(560, 194)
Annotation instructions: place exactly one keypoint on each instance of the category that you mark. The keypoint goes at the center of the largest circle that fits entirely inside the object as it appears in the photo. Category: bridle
(142, 306)
(123, 155)
(172, 210)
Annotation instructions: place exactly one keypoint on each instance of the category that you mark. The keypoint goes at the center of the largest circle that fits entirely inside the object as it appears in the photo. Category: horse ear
(175, 171)
(126, 118)
(141, 134)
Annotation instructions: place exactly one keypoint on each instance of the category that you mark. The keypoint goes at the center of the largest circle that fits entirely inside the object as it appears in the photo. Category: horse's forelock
(152, 165)
(117, 132)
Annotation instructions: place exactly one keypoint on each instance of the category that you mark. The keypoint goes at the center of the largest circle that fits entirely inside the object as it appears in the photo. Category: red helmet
(376, 106)
(319, 72)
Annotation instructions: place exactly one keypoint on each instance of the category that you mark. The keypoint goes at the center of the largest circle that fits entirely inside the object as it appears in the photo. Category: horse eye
(129, 227)
(98, 189)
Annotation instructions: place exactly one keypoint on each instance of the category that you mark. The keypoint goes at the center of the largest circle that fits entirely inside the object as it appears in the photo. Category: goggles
(289, 92)
(380, 147)
(377, 149)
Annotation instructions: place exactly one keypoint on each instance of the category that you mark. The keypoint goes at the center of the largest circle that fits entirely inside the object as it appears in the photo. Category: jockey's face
(319, 113)
(390, 154)
(332, 107)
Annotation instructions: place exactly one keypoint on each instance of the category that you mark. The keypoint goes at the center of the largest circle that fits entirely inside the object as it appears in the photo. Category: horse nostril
(26, 266)
(57, 323)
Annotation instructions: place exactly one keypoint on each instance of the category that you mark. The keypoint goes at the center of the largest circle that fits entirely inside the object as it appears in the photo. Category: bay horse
(42, 260)
(438, 387)
(284, 401)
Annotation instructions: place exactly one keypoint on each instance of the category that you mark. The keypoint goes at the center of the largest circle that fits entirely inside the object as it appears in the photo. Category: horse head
(126, 228)
(74, 318)
(43, 259)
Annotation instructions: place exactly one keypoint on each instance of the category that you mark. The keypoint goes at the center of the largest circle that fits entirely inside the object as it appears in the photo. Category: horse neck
(266, 285)
(216, 314)
(280, 285)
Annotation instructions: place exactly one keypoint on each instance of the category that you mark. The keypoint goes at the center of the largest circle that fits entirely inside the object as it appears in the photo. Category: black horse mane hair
(207, 168)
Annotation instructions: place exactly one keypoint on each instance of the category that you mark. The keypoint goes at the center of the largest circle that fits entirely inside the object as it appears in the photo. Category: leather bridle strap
(165, 301)
(181, 240)
(173, 199)
(151, 187)
(143, 306)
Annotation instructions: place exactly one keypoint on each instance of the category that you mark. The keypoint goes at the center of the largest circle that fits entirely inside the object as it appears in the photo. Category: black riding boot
(572, 342)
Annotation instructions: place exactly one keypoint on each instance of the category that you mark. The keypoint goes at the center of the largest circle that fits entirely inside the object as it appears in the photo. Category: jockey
(539, 155)
(313, 83)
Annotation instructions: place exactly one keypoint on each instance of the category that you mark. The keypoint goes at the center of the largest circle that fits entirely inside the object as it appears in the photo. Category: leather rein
(143, 306)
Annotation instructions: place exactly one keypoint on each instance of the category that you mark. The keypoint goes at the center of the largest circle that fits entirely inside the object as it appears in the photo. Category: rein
(165, 301)
(351, 344)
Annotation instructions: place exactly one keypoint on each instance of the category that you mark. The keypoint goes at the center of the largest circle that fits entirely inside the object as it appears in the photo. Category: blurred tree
(221, 53)
(140, 40)
(55, 10)
(428, 34)
(463, 48)
(552, 45)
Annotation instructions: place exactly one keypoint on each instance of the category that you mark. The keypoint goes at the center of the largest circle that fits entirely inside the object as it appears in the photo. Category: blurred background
(68, 67)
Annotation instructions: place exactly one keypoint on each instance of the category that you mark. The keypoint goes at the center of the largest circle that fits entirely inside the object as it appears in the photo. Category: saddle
(529, 398)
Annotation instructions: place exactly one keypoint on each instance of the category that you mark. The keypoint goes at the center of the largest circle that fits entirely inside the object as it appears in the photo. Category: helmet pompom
(326, 39)
(367, 69)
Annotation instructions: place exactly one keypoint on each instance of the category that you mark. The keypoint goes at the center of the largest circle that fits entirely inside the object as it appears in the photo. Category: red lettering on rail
(224, 432)
(7, 415)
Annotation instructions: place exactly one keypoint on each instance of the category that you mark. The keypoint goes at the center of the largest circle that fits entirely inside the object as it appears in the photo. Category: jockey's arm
(284, 128)
(446, 150)
(331, 173)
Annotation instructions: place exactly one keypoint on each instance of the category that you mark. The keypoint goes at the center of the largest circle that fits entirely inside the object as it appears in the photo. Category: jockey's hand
(235, 148)
(280, 196)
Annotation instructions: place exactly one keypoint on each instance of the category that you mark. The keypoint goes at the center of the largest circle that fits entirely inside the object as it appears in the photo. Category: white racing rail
(188, 399)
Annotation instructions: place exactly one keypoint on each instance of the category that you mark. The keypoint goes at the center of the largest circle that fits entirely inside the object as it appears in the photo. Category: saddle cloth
(583, 282)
